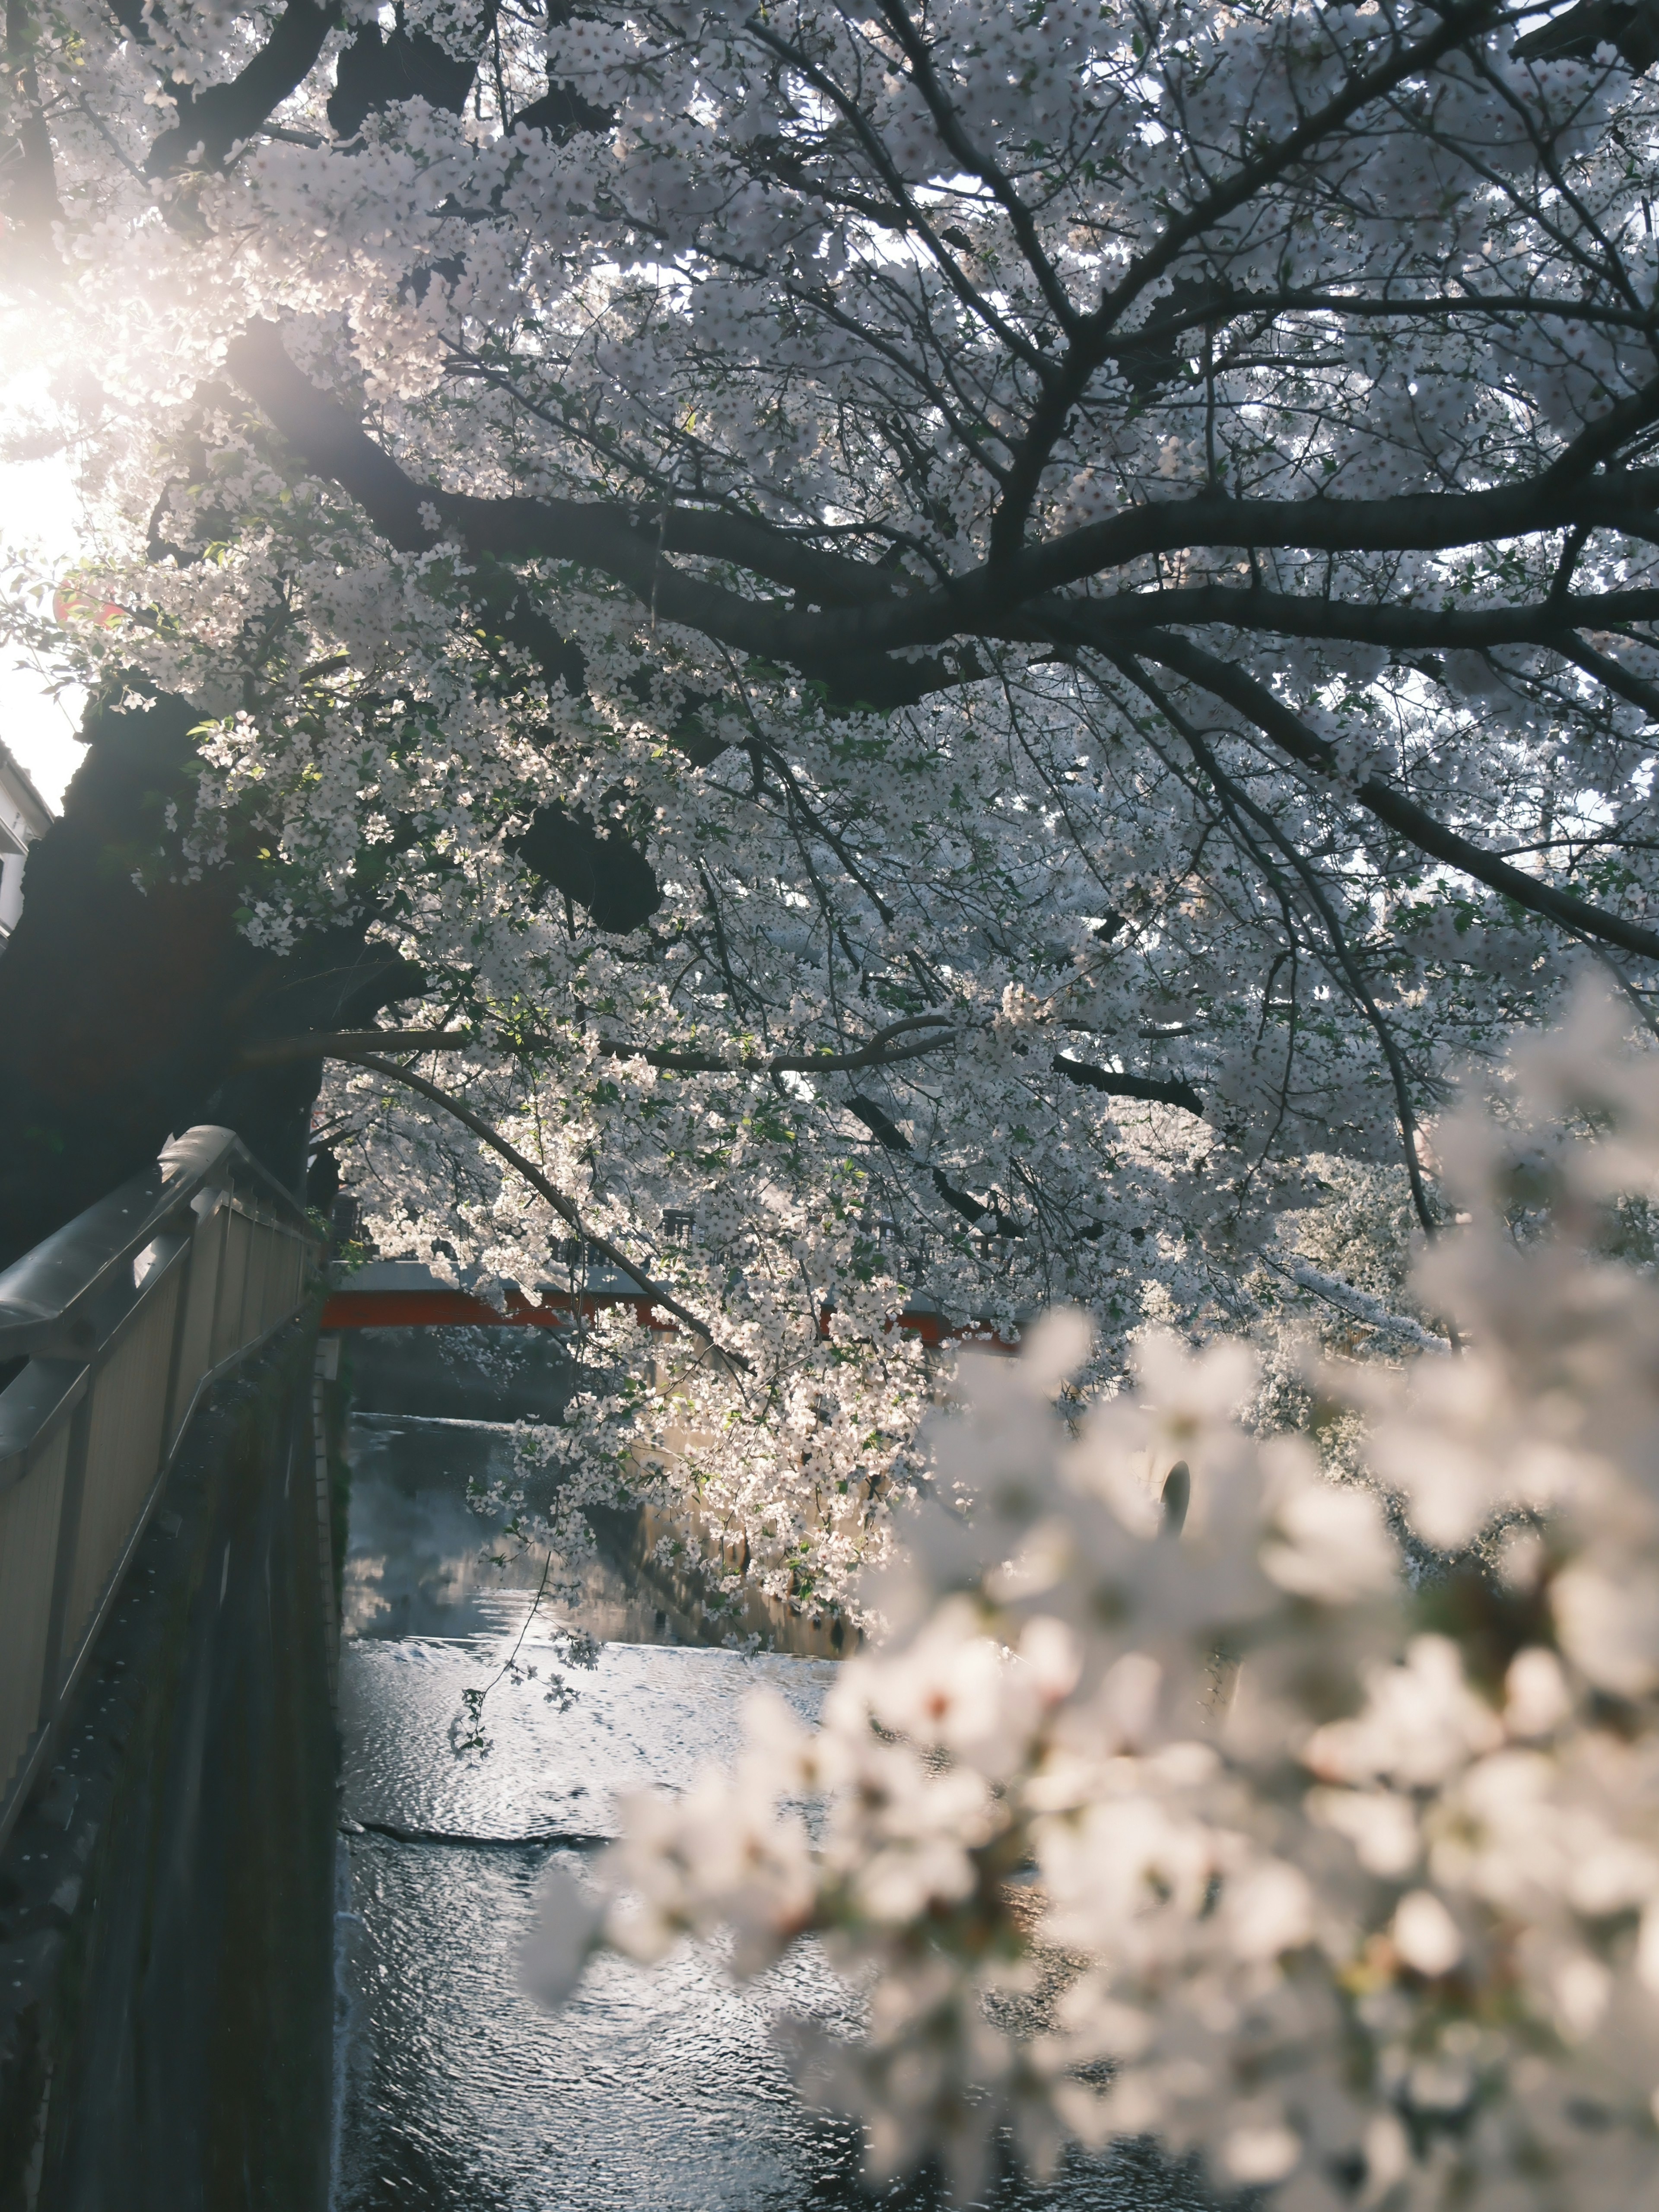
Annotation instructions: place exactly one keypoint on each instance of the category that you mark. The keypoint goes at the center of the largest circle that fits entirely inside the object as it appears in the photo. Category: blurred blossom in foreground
(1312, 1825)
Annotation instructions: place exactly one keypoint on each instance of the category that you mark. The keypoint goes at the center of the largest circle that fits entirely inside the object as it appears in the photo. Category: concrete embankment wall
(459, 1374)
(167, 1902)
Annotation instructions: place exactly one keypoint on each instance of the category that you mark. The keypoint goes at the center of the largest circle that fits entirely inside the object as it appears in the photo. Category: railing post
(250, 1257)
(224, 1210)
(180, 1324)
(69, 1539)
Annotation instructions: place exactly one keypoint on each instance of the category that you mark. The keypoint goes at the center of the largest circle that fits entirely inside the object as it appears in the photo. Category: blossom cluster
(1308, 1822)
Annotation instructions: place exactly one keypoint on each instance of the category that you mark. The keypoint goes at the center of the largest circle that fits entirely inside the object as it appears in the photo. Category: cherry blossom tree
(946, 659)
(884, 667)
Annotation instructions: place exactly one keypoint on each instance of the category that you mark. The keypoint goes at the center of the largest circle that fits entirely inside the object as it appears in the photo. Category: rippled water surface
(657, 2090)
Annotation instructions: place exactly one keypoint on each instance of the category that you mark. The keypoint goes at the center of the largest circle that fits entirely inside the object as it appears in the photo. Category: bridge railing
(110, 1331)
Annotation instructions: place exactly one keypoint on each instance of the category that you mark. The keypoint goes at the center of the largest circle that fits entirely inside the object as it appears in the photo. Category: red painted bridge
(402, 1294)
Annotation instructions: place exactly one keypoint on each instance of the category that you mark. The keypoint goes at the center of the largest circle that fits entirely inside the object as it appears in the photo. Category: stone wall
(166, 1902)
(459, 1374)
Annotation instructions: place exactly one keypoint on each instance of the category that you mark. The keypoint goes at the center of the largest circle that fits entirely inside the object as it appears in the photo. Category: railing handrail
(109, 1359)
(48, 1297)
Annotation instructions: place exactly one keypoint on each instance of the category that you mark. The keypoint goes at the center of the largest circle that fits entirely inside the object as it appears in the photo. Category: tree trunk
(125, 1010)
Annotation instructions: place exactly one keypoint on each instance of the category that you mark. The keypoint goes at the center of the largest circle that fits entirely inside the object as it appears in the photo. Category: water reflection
(655, 2090)
(422, 1562)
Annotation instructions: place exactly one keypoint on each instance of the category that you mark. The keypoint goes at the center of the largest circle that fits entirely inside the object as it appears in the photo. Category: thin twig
(564, 1206)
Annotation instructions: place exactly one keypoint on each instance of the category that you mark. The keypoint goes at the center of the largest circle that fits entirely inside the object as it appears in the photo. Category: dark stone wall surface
(167, 1902)
(460, 1374)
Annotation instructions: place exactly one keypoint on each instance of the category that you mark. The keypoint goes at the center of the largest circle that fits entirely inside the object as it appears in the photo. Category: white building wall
(23, 816)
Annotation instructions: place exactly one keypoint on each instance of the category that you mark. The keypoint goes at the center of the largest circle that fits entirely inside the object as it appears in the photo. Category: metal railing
(121, 1320)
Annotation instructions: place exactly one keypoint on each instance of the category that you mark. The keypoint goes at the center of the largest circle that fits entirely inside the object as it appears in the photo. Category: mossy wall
(166, 2045)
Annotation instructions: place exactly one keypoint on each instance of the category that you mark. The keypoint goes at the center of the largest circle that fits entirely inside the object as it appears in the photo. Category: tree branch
(1608, 673)
(346, 1044)
(1405, 522)
(879, 1052)
(1091, 342)
(564, 1207)
(219, 118)
(859, 614)
(1161, 1090)
(351, 1044)
(1226, 681)
(1544, 623)
(887, 1132)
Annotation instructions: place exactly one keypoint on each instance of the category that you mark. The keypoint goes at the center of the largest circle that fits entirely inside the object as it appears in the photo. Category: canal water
(655, 2090)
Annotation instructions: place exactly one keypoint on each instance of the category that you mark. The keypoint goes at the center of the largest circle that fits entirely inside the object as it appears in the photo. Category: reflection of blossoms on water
(420, 1558)
(1345, 1877)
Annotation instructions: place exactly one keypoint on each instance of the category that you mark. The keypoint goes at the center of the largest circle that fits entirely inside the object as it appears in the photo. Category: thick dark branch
(1608, 672)
(1160, 1090)
(1284, 729)
(1602, 440)
(882, 1051)
(868, 613)
(1200, 306)
(329, 440)
(219, 118)
(887, 1132)
(342, 1044)
(1122, 618)
(1576, 34)
(625, 540)
(1422, 522)
(629, 544)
